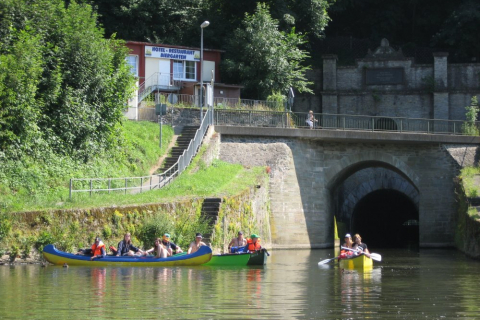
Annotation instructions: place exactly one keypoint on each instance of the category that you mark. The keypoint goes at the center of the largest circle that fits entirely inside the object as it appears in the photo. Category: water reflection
(433, 284)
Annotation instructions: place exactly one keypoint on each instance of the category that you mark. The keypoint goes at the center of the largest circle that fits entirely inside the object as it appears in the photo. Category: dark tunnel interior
(386, 219)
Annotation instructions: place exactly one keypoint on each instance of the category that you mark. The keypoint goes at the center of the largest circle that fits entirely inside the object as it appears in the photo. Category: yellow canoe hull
(359, 262)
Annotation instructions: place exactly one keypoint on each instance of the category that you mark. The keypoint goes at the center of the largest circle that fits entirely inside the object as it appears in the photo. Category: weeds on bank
(467, 175)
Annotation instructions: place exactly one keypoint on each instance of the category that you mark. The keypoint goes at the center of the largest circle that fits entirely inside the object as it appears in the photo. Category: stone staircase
(186, 135)
(210, 208)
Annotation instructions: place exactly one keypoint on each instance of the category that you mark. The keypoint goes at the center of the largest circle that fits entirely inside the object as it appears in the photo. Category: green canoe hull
(240, 259)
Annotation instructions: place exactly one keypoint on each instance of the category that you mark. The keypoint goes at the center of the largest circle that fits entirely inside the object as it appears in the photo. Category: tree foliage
(460, 31)
(62, 84)
(265, 59)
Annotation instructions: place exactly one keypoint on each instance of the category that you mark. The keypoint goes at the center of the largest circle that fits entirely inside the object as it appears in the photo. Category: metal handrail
(96, 185)
(257, 118)
(156, 81)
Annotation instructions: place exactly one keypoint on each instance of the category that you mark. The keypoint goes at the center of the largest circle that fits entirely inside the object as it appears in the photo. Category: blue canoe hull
(57, 257)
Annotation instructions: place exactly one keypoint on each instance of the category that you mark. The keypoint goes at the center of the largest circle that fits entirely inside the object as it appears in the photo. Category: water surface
(430, 284)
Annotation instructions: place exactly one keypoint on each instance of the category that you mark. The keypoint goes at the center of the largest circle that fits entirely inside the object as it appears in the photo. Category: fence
(255, 118)
(139, 184)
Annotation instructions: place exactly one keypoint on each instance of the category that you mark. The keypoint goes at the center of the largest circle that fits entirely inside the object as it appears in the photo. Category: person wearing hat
(195, 245)
(253, 243)
(237, 242)
(347, 244)
(171, 247)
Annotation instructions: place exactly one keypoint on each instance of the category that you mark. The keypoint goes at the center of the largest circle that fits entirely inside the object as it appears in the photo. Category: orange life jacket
(253, 246)
(97, 250)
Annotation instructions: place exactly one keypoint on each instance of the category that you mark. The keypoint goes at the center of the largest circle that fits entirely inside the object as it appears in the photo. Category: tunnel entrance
(386, 218)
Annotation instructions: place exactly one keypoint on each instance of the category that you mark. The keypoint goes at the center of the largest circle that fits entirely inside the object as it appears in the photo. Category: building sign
(172, 53)
(384, 76)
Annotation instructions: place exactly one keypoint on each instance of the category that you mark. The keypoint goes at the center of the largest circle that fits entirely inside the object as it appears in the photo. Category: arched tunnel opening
(386, 219)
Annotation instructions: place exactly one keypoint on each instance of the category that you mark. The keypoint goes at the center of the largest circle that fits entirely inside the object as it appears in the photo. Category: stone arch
(369, 186)
(347, 165)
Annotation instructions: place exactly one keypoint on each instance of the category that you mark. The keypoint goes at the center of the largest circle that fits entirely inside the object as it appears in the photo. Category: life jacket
(253, 246)
(344, 254)
(97, 250)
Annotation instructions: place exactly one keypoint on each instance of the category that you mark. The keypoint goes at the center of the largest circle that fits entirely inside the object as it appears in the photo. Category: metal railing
(277, 119)
(233, 103)
(157, 81)
(140, 184)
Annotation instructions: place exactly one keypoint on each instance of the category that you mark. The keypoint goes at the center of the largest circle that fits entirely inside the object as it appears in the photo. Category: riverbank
(244, 206)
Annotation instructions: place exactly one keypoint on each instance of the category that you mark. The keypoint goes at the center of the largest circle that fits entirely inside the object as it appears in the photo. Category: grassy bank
(42, 183)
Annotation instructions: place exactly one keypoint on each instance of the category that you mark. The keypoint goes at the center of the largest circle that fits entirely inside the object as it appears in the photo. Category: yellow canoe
(358, 262)
(52, 255)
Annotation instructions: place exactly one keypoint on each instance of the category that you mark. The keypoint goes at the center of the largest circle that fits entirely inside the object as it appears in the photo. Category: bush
(44, 239)
(5, 226)
(154, 227)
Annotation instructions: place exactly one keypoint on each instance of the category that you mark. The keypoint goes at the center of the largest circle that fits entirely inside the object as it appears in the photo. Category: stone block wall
(436, 91)
(305, 174)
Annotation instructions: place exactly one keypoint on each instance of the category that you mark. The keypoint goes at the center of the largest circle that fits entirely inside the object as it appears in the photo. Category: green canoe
(229, 259)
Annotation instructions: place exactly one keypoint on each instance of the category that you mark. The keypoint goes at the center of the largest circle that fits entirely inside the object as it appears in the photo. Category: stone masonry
(305, 174)
(400, 88)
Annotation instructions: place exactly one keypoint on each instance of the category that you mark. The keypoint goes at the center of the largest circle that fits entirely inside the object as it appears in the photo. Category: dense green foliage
(34, 183)
(264, 59)
(470, 126)
(181, 227)
(418, 27)
(62, 85)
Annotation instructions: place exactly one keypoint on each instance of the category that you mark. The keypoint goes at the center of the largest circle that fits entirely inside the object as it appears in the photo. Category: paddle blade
(326, 261)
(376, 256)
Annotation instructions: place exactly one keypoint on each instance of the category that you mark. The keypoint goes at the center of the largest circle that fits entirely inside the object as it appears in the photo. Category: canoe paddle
(374, 256)
(326, 261)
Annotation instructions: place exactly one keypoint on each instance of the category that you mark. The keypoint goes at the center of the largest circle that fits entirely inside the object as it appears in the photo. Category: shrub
(5, 226)
(43, 239)
(154, 227)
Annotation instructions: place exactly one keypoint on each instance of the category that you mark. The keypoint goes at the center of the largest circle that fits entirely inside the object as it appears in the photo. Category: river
(429, 284)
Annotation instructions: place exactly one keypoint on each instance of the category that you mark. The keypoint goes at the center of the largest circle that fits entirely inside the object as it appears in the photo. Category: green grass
(32, 184)
(219, 179)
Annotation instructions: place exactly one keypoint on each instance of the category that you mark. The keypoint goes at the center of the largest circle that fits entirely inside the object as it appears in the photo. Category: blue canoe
(54, 256)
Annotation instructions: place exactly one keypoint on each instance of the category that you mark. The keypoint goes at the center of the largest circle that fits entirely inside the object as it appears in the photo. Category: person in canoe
(359, 246)
(126, 248)
(195, 245)
(98, 249)
(97, 246)
(253, 243)
(344, 254)
(158, 249)
(237, 242)
(171, 247)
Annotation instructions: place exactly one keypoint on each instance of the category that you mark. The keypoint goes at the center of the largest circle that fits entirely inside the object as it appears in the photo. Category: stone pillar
(329, 93)
(440, 95)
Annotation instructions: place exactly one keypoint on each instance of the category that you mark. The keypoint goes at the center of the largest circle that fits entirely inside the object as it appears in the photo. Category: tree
(264, 59)
(460, 31)
(157, 21)
(70, 84)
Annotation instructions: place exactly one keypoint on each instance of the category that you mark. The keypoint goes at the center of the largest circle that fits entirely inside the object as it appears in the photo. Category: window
(132, 61)
(184, 70)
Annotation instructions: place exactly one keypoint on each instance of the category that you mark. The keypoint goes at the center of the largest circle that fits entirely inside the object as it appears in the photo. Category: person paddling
(359, 246)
